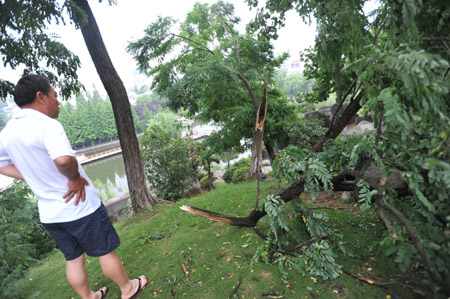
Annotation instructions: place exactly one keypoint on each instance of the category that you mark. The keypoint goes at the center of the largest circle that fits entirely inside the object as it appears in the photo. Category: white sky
(127, 21)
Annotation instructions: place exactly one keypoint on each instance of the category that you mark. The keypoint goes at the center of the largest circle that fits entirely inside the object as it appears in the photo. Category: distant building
(293, 66)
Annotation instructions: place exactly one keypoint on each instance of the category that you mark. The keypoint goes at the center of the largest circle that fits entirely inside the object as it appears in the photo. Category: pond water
(108, 174)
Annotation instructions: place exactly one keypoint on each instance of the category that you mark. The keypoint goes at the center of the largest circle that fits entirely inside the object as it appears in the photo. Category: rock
(373, 174)
(118, 206)
(325, 113)
(346, 195)
(262, 177)
(361, 128)
(194, 189)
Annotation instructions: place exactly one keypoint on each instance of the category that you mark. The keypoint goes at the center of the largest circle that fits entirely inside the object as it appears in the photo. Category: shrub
(305, 133)
(240, 175)
(23, 239)
(242, 167)
(168, 167)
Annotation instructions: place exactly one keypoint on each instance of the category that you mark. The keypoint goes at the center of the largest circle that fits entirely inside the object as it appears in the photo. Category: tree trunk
(258, 135)
(140, 195)
(270, 151)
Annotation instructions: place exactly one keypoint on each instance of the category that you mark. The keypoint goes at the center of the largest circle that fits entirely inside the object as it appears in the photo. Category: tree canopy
(210, 69)
(25, 43)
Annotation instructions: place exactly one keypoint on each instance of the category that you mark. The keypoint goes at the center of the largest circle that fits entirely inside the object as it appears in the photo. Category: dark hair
(27, 87)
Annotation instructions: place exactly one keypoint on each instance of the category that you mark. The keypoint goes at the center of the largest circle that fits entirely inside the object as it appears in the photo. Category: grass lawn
(218, 256)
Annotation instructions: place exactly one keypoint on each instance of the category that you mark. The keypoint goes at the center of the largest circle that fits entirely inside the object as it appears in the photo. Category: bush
(305, 133)
(241, 168)
(168, 167)
(23, 239)
(240, 175)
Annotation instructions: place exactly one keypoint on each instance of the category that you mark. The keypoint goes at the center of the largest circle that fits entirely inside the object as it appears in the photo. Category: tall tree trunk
(258, 135)
(140, 195)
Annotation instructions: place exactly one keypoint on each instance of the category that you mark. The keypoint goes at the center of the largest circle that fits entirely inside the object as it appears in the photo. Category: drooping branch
(417, 243)
(349, 112)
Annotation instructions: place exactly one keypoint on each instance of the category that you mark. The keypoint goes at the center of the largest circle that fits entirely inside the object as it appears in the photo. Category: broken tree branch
(349, 112)
(417, 244)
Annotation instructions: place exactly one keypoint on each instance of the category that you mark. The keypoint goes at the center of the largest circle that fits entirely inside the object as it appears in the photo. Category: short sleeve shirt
(31, 141)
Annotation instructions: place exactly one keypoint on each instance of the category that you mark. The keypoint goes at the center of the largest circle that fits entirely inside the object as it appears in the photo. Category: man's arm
(68, 166)
(11, 171)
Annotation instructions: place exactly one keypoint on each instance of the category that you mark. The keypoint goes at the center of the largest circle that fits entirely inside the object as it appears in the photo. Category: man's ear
(40, 97)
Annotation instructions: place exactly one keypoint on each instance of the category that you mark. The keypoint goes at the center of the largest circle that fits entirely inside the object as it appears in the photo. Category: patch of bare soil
(332, 201)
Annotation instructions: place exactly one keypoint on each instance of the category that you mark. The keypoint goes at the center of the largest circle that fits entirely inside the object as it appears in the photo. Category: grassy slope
(158, 243)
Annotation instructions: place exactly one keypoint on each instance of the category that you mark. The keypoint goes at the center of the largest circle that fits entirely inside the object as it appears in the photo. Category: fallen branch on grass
(236, 288)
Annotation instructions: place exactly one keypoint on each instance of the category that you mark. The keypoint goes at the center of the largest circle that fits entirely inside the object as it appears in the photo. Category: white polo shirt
(31, 141)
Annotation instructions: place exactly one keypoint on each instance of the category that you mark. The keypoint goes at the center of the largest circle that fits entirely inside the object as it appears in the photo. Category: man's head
(36, 92)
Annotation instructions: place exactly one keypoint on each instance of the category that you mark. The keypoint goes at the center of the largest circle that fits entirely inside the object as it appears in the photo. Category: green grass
(158, 243)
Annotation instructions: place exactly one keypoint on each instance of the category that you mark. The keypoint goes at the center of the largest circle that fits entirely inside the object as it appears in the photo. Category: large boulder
(326, 113)
(372, 175)
(359, 129)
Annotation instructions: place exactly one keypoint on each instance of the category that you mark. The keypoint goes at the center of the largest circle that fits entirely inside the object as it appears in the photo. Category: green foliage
(337, 154)
(396, 54)
(293, 85)
(90, 122)
(167, 120)
(273, 206)
(237, 172)
(365, 194)
(293, 164)
(25, 43)
(317, 259)
(168, 167)
(23, 240)
(218, 74)
(305, 133)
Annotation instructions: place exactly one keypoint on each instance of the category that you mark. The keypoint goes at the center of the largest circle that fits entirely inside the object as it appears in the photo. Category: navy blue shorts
(93, 234)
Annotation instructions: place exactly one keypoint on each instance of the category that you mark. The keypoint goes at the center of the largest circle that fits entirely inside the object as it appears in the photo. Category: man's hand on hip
(76, 188)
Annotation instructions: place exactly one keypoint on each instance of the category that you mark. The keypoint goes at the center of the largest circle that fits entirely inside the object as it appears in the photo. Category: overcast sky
(126, 22)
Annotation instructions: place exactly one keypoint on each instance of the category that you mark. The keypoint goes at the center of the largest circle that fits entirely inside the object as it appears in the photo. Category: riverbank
(101, 147)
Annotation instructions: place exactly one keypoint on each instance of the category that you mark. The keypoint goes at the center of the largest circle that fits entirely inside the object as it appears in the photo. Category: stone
(360, 129)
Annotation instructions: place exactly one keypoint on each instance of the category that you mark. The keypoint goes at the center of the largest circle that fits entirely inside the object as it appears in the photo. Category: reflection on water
(110, 173)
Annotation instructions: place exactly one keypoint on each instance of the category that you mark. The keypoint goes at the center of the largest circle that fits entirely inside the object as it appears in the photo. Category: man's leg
(77, 277)
(113, 268)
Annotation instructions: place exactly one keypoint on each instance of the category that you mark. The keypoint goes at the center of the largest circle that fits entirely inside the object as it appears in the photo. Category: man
(34, 147)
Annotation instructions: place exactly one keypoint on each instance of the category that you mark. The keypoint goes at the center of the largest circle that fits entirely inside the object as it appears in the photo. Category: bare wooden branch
(387, 223)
